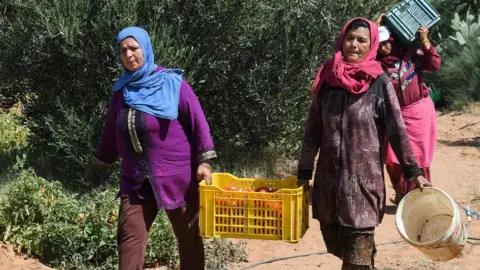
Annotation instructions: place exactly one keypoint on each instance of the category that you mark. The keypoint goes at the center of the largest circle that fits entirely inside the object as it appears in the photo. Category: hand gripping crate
(241, 212)
(406, 17)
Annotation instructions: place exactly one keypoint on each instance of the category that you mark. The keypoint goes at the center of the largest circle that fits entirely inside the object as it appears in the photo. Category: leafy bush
(14, 135)
(14, 138)
(72, 231)
(162, 244)
(62, 229)
(458, 80)
(466, 31)
(250, 62)
(447, 10)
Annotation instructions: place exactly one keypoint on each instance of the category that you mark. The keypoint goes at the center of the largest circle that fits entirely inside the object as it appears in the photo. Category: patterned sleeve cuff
(98, 163)
(206, 155)
(304, 174)
(410, 171)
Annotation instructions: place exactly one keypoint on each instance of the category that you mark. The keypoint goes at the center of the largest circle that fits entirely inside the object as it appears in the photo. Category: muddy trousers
(135, 219)
(355, 247)
(349, 266)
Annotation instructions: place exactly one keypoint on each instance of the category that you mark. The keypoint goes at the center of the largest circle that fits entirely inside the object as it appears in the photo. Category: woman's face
(131, 54)
(356, 44)
(385, 48)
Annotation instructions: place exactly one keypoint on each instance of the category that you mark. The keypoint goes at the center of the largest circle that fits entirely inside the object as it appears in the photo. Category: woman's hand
(421, 182)
(378, 20)
(423, 36)
(303, 182)
(204, 172)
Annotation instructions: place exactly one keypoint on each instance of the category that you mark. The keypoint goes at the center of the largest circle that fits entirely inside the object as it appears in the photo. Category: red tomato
(223, 202)
(279, 205)
(272, 205)
(231, 188)
(268, 205)
(279, 209)
(267, 189)
(274, 208)
(220, 202)
(262, 189)
(228, 202)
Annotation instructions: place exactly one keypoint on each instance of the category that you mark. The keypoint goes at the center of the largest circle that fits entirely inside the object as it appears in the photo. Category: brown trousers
(355, 247)
(135, 219)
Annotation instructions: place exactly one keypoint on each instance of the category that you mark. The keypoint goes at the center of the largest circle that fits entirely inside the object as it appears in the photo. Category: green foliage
(64, 59)
(42, 220)
(250, 62)
(14, 138)
(447, 10)
(30, 202)
(466, 31)
(14, 135)
(458, 80)
(70, 231)
(162, 243)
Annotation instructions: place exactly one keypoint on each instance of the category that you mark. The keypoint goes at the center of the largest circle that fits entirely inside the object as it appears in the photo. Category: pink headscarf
(353, 77)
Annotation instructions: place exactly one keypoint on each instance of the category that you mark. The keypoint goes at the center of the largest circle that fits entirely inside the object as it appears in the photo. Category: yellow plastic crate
(281, 215)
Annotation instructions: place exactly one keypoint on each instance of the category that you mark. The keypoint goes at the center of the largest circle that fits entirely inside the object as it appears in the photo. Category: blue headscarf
(156, 94)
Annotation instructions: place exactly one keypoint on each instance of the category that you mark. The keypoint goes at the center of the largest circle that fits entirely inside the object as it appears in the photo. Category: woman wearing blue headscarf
(156, 125)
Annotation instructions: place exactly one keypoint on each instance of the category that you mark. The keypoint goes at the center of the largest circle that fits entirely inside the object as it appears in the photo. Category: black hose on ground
(305, 255)
(322, 253)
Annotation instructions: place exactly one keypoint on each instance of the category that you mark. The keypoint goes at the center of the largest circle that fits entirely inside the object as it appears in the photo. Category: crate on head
(234, 207)
(406, 17)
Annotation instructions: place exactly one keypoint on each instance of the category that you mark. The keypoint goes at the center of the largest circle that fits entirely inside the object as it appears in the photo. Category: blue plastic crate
(406, 17)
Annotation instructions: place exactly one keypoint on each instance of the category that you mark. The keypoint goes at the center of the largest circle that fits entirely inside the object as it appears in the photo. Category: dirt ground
(8, 260)
(456, 170)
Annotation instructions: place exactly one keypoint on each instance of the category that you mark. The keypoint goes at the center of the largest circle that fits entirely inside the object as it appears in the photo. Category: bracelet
(425, 41)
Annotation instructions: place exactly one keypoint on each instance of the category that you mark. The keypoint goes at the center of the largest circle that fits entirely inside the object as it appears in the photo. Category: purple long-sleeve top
(164, 152)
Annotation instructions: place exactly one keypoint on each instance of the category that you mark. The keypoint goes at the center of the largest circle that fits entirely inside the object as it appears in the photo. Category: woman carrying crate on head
(404, 65)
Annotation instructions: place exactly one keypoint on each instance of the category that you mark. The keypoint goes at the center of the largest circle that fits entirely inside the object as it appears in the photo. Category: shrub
(62, 229)
(458, 80)
(14, 135)
(14, 138)
(250, 62)
(72, 231)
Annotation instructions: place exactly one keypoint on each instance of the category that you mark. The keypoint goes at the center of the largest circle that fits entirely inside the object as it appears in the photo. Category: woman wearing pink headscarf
(404, 65)
(354, 107)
